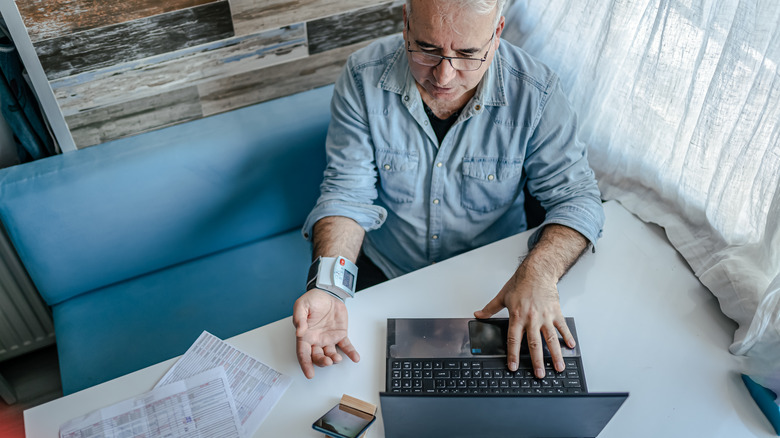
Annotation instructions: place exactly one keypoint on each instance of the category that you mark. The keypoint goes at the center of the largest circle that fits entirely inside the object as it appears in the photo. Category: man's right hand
(320, 326)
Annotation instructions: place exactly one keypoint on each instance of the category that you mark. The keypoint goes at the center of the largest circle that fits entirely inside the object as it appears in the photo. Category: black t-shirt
(440, 127)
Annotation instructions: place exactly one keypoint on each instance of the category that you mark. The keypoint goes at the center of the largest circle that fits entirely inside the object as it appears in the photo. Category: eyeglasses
(458, 63)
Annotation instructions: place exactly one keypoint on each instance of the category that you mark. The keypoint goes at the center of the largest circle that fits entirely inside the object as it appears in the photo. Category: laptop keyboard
(482, 376)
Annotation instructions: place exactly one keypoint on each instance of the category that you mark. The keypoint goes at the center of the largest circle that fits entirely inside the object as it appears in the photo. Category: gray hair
(480, 7)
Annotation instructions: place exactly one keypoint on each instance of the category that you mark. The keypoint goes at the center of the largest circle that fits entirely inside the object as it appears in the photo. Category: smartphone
(343, 422)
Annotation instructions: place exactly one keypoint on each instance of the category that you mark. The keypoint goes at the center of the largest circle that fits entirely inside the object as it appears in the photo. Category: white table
(645, 324)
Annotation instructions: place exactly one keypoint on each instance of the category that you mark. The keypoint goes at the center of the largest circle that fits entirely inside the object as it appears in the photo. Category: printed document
(199, 406)
(256, 387)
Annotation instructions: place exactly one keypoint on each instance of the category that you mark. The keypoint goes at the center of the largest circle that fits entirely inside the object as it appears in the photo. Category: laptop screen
(472, 416)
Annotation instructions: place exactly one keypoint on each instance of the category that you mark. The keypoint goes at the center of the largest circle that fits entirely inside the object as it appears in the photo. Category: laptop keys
(486, 376)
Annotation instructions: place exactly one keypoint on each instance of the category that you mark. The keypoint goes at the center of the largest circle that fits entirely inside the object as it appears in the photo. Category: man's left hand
(534, 311)
(531, 296)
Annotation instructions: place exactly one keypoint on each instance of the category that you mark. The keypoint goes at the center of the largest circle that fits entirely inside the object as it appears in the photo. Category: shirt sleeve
(349, 184)
(559, 175)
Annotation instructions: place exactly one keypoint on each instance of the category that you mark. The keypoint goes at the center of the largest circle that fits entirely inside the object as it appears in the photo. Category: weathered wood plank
(46, 19)
(212, 97)
(281, 80)
(344, 29)
(134, 117)
(143, 78)
(251, 16)
(105, 46)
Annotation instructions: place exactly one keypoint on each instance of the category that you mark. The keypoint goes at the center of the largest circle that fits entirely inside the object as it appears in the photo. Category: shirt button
(477, 107)
(406, 98)
(425, 123)
(387, 167)
(490, 177)
(435, 236)
(439, 164)
(435, 201)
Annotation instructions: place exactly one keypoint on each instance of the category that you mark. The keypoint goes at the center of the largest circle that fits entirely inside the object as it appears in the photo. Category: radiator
(25, 319)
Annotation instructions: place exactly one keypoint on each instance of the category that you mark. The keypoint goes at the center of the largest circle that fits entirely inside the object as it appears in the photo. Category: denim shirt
(421, 202)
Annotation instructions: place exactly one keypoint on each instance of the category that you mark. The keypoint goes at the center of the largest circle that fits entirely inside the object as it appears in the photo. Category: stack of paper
(214, 390)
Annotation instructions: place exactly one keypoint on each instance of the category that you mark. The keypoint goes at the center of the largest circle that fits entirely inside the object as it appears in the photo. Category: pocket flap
(395, 161)
(489, 169)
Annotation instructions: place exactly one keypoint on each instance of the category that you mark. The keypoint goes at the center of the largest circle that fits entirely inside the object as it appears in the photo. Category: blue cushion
(125, 327)
(87, 219)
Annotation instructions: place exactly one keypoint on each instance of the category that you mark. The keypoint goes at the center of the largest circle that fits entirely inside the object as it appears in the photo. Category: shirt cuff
(370, 217)
(588, 223)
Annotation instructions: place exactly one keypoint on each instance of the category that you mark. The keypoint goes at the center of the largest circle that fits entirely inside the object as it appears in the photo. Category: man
(432, 138)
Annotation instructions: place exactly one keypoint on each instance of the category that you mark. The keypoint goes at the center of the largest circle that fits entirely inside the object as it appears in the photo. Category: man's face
(466, 34)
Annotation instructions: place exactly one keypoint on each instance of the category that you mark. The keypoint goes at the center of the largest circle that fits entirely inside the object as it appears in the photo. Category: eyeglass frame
(450, 58)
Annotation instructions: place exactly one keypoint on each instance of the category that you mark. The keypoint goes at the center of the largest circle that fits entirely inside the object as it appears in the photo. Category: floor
(35, 377)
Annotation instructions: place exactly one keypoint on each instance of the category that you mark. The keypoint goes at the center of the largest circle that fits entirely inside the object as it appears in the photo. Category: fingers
(303, 351)
(332, 353)
(553, 344)
(547, 334)
(568, 338)
(537, 356)
(490, 308)
(310, 355)
(514, 339)
(302, 347)
(319, 358)
(348, 349)
(551, 339)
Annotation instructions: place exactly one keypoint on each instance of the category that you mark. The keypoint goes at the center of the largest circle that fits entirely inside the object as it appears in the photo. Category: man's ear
(499, 29)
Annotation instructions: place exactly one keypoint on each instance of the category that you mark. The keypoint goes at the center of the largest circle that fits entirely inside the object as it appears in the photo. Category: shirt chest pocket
(397, 174)
(490, 183)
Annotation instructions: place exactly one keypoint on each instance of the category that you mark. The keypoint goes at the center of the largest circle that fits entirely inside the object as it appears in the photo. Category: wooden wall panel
(282, 80)
(119, 68)
(344, 29)
(130, 118)
(164, 73)
(213, 97)
(251, 16)
(137, 39)
(46, 19)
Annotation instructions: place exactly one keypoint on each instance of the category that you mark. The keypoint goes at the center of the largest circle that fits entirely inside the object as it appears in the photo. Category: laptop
(448, 377)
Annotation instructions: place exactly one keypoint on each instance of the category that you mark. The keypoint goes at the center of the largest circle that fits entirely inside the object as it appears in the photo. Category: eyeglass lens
(431, 60)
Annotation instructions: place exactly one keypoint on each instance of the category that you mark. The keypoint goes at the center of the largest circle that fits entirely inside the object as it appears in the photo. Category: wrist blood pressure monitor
(335, 275)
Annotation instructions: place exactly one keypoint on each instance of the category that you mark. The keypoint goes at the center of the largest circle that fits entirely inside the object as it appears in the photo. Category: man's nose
(444, 73)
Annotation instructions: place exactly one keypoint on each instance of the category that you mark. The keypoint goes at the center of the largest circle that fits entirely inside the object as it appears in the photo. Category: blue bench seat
(141, 243)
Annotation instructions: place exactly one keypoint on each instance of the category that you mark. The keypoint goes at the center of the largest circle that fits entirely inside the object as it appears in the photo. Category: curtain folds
(679, 102)
(19, 105)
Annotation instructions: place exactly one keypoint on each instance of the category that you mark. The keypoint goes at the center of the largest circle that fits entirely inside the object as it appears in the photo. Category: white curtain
(679, 101)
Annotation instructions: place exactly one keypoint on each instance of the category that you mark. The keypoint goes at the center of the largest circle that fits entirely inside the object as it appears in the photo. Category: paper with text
(199, 406)
(256, 387)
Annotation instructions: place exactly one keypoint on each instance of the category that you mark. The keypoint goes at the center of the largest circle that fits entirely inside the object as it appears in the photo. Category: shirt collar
(397, 78)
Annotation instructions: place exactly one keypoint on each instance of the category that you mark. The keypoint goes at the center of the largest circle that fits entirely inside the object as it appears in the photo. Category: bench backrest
(87, 219)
